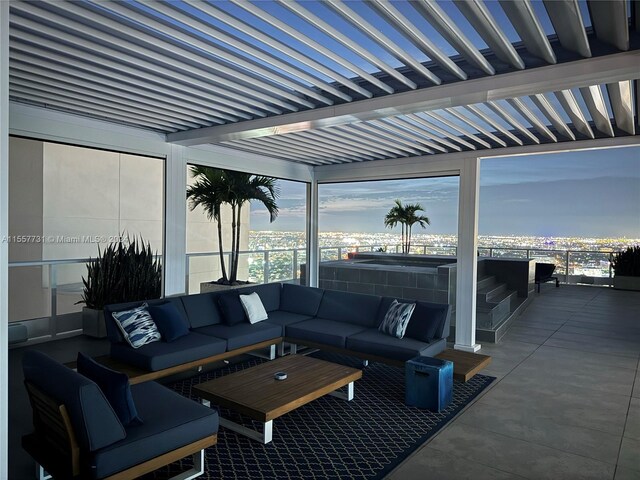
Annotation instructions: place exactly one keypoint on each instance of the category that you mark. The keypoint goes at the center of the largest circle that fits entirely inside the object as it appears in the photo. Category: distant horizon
(585, 194)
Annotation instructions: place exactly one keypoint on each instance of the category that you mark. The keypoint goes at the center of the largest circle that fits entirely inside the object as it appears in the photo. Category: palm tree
(407, 216)
(215, 187)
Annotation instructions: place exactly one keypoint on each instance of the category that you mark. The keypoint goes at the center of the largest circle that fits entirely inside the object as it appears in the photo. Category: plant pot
(622, 282)
(93, 323)
(207, 287)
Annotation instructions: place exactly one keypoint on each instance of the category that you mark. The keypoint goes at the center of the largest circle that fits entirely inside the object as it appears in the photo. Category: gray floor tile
(618, 334)
(564, 354)
(624, 473)
(580, 344)
(632, 428)
(521, 424)
(630, 454)
(444, 466)
(527, 459)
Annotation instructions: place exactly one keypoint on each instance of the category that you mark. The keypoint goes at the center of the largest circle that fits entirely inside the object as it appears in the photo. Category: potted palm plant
(215, 187)
(626, 266)
(126, 271)
(407, 216)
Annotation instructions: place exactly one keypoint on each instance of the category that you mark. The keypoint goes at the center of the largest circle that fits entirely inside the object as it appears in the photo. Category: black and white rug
(330, 438)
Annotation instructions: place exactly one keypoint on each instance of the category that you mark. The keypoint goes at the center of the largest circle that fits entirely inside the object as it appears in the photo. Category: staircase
(496, 305)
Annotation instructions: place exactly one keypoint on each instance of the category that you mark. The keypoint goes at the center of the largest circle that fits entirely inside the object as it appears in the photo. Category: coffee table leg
(348, 395)
(265, 437)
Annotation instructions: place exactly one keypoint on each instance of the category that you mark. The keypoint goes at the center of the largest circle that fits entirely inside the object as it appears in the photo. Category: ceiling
(192, 68)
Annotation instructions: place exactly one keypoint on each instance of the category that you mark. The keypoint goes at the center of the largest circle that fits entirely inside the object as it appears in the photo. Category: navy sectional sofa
(298, 315)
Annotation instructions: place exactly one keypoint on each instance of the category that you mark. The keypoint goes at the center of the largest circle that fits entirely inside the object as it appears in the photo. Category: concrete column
(175, 222)
(467, 269)
(313, 257)
(4, 232)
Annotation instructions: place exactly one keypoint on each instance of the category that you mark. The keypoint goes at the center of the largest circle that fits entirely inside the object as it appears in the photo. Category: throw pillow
(426, 320)
(169, 321)
(253, 307)
(397, 318)
(231, 308)
(114, 385)
(137, 326)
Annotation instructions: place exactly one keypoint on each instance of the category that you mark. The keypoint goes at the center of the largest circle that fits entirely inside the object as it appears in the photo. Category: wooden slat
(254, 391)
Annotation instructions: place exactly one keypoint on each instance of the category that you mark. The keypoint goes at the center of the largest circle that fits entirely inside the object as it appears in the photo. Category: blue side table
(428, 383)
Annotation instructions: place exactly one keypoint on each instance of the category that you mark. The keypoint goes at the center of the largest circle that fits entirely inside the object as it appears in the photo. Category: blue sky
(588, 193)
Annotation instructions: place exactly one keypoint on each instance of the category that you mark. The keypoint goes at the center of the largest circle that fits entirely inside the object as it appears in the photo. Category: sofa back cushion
(428, 321)
(231, 307)
(202, 309)
(171, 323)
(269, 294)
(114, 334)
(94, 421)
(355, 308)
(300, 299)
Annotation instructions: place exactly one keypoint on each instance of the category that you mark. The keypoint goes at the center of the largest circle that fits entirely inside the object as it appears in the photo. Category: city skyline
(574, 194)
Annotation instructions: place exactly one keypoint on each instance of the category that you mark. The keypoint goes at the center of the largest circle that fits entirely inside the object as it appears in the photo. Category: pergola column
(175, 228)
(313, 252)
(467, 263)
(4, 232)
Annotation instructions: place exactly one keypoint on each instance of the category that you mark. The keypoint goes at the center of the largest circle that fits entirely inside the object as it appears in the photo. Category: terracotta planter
(93, 323)
(206, 287)
(621, 282)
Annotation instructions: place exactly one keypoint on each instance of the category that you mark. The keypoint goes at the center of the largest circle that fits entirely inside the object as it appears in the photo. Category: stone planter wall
(621, 282)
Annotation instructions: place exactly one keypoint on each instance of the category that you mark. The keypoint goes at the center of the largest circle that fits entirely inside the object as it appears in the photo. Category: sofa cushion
(377, 343)
(253, 307)
(94, 422)
(300, 299)
(170, 322)
(115, 334)
(322, 330)
(355, 308)
(269, 294)
(202, 309)
(282, 318)
(397, 318)
(137, 326)
(231, 308)
(243, 334)
(171, 421)
(114, 385)
(161, 355)
(427, 320)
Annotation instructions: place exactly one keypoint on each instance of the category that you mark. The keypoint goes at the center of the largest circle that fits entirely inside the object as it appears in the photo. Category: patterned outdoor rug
(330, 438)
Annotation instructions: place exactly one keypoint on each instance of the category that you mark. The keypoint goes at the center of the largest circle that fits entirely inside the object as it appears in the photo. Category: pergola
(317, 92)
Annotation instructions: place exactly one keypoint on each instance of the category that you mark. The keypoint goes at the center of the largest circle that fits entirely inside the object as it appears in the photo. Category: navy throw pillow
(169, 321)
(232, 309)
(425, 321)
(114, 385)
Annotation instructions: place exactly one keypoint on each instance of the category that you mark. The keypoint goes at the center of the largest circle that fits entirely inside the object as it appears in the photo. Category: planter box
(621, 282)
(93, 323)
(207, 287)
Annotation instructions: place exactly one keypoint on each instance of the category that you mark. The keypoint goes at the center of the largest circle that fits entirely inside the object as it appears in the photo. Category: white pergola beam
(606, 69)
(621, 98)
(526, 23)
(570, 105)
(610, 22)
(597, 108)
(567, 22)
(543, 104)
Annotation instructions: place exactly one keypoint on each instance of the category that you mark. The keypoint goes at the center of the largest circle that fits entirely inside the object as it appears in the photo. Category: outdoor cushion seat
(243, 334)
(322, 330)
(161, 411)
(160, 355)
(378, 343)
(282, 318)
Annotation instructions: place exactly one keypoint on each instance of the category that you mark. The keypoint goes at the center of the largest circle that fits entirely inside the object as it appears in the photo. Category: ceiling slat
(569, 26)
(526, 23)
(441, 131)
(507, 117)
(423, 128)
(610, 22)
(519, 106)
(458, 128)
(490, 121)
(597, 108)
(570, 105)
(379, 135)
(621, 98)
(465, 118)
(481, 19)
(554, 117)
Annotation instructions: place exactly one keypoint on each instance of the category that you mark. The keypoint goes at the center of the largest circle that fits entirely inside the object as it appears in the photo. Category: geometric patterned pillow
(137, 326)
(397, 318)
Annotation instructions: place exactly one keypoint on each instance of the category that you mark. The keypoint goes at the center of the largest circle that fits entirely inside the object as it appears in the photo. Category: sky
(582, 194)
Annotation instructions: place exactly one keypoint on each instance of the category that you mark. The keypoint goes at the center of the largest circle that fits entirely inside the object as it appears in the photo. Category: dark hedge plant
(627, 262)
(126, 271)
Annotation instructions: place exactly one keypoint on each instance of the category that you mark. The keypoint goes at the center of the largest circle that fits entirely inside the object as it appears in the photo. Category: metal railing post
(265, 267)
(566, 263)
(339, 253)
(610, 269)
(53, 290)
(424, 249)
(186, 276)
(294, 274)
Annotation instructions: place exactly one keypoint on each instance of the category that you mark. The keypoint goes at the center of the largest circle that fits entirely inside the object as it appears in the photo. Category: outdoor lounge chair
(544, 273)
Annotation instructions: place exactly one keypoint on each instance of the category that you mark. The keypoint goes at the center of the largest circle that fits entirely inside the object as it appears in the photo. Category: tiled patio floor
(567, 401)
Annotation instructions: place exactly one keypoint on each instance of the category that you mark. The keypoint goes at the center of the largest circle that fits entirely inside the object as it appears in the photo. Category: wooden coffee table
(255, 392)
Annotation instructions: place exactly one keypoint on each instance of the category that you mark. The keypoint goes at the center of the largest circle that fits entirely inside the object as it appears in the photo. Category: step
(490, 314)
(485, 282)
(487, 294)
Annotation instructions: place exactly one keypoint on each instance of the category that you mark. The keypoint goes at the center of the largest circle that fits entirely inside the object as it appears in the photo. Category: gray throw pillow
(397, 318)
